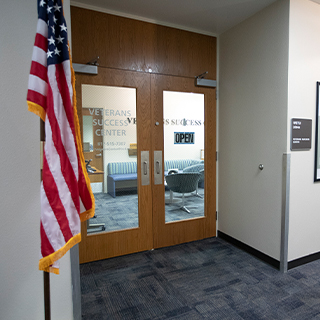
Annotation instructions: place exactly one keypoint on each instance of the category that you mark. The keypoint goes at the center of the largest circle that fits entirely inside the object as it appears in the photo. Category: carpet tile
(207, 279)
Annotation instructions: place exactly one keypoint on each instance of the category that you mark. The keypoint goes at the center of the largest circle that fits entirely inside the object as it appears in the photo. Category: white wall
(116, 106)
(116, 109)
(21, 283)
(183, 112)
(252, 127)
(304, 72)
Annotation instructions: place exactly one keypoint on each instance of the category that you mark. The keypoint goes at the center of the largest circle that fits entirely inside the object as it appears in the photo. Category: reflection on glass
(183, 149)
(110, 150)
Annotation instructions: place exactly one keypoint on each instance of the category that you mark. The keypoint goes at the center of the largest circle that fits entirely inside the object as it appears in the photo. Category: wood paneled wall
(129, 44)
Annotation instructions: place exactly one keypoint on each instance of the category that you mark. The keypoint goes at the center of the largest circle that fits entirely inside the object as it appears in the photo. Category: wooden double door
(154, 155)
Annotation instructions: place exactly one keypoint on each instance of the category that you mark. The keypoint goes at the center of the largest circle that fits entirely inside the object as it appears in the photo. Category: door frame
(153, 232)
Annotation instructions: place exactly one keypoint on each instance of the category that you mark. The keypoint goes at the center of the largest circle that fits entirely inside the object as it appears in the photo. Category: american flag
(66, 196)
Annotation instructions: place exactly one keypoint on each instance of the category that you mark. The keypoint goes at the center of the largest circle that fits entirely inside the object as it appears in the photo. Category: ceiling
(211, 17)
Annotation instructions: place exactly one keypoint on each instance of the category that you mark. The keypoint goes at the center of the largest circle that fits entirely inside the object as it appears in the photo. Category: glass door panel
(110, 150)
(184, 204)
(183, 132)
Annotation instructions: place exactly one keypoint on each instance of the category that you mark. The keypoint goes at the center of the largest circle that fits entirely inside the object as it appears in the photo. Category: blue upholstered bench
(123, 175)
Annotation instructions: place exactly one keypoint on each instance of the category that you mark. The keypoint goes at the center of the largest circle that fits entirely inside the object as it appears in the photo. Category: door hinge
(216, 155)
(216, 215)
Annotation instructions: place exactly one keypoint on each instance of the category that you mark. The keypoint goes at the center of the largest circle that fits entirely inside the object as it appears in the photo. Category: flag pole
(46, 275)
(46, 289)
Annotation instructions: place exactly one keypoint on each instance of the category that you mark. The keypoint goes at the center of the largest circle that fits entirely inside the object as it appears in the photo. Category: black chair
(197, 168)
(183, 183)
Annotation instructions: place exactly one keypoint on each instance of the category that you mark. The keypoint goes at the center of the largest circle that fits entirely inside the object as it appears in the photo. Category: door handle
(145, 168)
(158, 175)
(158, 167)
(145, 176)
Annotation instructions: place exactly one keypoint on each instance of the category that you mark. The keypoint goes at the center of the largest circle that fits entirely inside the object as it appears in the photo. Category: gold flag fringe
(89, 213)
(37, 109)
(45, 264)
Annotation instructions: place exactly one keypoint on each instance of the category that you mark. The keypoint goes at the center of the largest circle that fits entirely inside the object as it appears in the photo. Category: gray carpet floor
(207, 279)
(122, 212)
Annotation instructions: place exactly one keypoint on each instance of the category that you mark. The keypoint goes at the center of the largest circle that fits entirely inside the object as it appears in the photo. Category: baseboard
(256, 253)
(304, 260)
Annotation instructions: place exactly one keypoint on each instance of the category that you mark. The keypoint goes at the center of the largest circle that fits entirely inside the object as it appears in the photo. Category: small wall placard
(184, 138)
(301, 130)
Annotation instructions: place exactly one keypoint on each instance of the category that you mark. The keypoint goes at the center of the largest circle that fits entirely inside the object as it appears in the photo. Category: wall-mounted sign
(301, 130)
(184, 138)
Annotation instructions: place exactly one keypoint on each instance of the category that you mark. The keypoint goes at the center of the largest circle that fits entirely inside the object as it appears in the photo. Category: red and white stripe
(65, 191)
(38, 86)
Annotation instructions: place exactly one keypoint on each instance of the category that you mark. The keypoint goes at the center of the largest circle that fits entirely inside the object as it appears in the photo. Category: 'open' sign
(184, 137)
